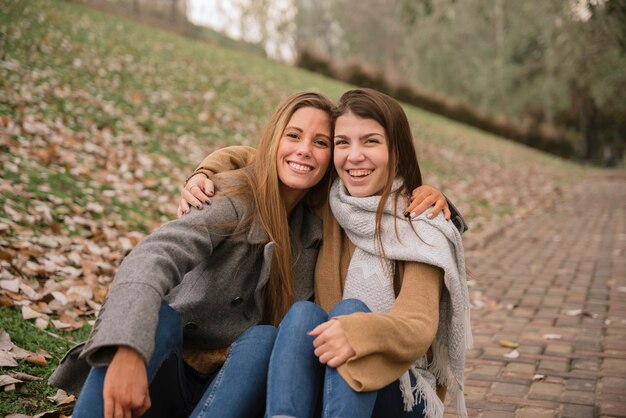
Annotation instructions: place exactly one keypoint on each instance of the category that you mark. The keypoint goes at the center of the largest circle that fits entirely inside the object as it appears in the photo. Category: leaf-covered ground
(102, 119)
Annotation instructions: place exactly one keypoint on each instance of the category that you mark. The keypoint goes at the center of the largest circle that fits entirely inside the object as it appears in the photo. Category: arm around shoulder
(226, 159)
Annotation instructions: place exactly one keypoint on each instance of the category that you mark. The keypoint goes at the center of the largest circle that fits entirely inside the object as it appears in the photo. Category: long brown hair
(260, 184)
(372, 104)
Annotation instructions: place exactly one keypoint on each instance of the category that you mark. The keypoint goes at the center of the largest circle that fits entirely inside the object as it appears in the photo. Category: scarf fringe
(422, 391)
(469, 338)
(439, 366)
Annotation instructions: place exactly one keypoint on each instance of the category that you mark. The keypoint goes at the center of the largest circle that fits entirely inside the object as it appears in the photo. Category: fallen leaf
(509, 344)
(58, 396)
(5, 340)
(574, 312)
(43, 352)
(6, 380)
(67, 401)
(30, 313)
(19, 353)
(41, 323)
(6, 256)
(512, 355)
(25, 377)
(11, 285)
(60, 324)
(7, 360)
(37, 359)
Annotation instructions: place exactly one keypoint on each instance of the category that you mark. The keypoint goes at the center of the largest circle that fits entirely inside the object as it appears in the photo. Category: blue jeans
(175, 387)
(300, 386)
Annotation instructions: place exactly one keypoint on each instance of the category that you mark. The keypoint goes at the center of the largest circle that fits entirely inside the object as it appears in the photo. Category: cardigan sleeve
(386, 344)
(226, 159)
(156, 265)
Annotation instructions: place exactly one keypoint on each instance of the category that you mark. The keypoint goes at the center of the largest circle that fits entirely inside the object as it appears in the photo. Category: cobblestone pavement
(556, 284)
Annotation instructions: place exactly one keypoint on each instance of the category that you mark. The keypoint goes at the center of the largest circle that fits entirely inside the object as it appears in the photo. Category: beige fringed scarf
(370, 279)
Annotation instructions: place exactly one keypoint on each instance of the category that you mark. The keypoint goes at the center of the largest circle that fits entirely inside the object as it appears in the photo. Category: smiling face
(303, 153)
(361, 154)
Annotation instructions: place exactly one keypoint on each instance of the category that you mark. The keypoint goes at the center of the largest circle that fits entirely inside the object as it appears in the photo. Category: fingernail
(199, 207)
(208, 202)
(413, 215)
(211, 193)
(406, 214)
(429, 216)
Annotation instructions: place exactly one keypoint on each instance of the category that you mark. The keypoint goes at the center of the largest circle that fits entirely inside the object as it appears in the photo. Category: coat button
(191, 326)
(236, 302)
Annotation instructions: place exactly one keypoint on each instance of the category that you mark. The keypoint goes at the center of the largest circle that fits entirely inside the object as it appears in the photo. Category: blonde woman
(193, 308)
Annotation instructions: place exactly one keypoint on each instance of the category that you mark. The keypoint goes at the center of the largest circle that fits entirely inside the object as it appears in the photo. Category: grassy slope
(102, 119)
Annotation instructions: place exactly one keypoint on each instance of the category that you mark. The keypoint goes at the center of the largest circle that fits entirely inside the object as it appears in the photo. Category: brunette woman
(398, 326)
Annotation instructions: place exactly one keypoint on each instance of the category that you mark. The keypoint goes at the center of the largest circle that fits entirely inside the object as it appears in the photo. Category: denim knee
(306, 314)
(348, 306)
(262, 335)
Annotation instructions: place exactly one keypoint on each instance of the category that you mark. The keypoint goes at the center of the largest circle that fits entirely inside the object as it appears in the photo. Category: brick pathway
(556, 284)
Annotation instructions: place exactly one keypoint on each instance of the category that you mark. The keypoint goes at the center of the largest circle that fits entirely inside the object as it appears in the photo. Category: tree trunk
(499, 29)
(173, 11)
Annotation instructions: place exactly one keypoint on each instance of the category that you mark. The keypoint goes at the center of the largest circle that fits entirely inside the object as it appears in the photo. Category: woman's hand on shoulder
(331, 344)
(423, 198)
(126, 385)
(197, 191)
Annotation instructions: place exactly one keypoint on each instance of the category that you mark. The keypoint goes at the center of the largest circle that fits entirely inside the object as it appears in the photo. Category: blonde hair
(261, 185)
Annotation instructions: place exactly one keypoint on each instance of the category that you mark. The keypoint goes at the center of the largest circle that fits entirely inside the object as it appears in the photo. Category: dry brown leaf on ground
(7, 360)
(43, 353)
(37, 359)
(25, 377)
(61, 398)
(7, 383)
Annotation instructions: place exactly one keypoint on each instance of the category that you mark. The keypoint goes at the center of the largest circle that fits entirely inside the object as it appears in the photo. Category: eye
(340, 141)
(322, 142)
(372, 141)
(292, 135)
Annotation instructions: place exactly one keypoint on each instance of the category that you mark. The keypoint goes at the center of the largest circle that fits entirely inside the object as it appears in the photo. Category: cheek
(339, 157)
(323, 157)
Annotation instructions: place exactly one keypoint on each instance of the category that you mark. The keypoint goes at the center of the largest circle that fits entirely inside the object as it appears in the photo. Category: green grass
(31, 399)
(104, 118)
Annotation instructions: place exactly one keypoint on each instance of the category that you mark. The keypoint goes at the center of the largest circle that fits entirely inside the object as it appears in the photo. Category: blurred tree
(555, 61)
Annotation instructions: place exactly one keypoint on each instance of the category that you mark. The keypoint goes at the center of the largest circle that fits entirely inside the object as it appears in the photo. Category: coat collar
(302, 223)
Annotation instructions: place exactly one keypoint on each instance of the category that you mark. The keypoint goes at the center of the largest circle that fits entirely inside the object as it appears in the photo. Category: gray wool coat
(205, 266)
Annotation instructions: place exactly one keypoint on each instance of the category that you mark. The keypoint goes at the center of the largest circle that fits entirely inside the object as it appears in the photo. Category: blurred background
(548, 73)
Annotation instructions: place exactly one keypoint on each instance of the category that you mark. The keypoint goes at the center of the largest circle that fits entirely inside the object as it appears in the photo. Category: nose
(356, 153)
(304, 149)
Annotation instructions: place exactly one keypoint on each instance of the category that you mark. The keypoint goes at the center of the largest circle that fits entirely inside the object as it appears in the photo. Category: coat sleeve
(226, 159)
(386, 344)
(156, 265)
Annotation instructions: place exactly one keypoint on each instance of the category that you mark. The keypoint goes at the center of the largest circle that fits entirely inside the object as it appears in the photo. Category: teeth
(300, 167)
(360, 173)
